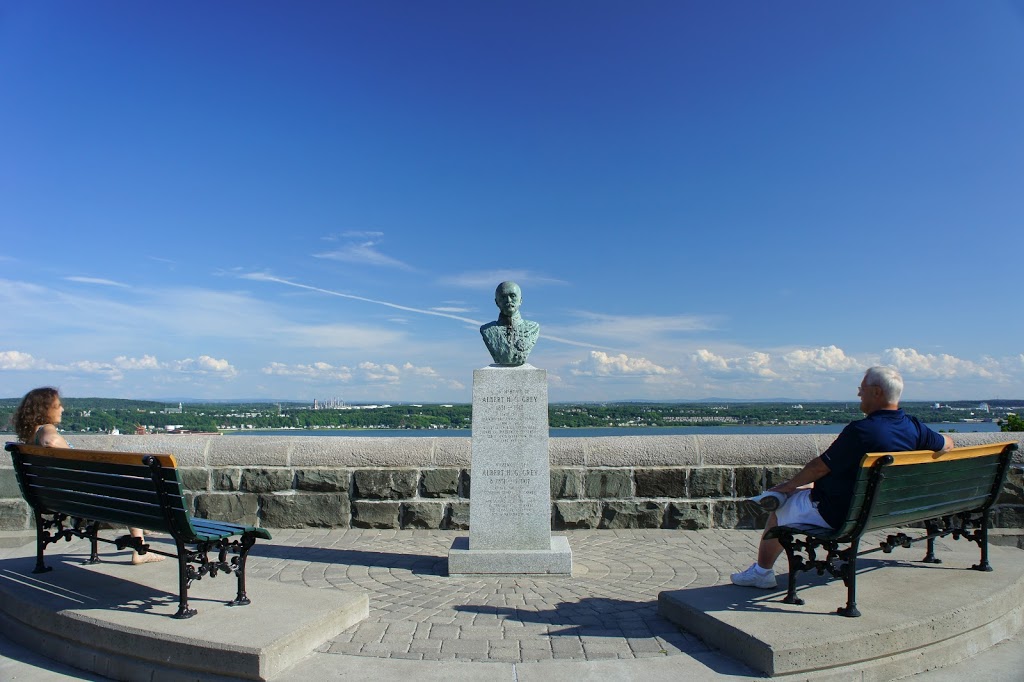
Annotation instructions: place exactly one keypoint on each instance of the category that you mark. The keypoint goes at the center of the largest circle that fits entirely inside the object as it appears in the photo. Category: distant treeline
(128, 416)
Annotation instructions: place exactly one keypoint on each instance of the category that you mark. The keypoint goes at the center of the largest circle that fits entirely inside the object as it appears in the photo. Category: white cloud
(145, 362)
(599, 363)
(363, 253)
(911, 362)
(316, 371)
(755, 364)
(97, 280)
(451, 309)
(205, 364)
(16, 360)
(825, 359)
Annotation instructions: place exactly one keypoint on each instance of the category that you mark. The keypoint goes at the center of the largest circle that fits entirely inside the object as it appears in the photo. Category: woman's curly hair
(33, 412)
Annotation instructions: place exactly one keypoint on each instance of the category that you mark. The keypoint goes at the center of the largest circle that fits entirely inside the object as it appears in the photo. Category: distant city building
(172, 410)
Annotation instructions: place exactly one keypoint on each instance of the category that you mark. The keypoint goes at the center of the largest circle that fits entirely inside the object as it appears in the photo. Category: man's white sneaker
(754, 577)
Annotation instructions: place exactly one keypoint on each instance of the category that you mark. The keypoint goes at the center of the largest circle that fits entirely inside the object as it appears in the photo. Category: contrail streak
(261, 277)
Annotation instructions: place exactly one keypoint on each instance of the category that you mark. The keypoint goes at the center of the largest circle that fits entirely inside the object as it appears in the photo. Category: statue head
(508, 297)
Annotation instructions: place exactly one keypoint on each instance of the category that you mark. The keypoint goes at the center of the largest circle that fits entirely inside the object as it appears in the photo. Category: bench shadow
(417, 564)
(71, 586)
(608, 617)
(729, 597)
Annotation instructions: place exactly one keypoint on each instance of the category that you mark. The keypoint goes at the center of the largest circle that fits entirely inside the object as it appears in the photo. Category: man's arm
(811, 472)
(948, 446)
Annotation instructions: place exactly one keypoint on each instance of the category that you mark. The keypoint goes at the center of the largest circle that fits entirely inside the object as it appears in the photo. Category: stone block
(1007, 516)
(738, 514)
(385, 484)
(749, 481)
(302, 510)
(422, 515)
(195, 479)
(568, 452)
(643, 451)
(14, 515)
(9, 484)
(266, 480)
(253, 451)
(710, 482)
(688, 515)
(779, 474)
(632, 514)
(661, 482)
(360, 452)
(765, 450)
(233, 507)
(440, 483)
(1013, 488)
(227, 478)
(608, 483)
(566, 484)
(452, 452)
(372, 514)
(574, 514)
(188, 452)
(323, 480)
(457, 516)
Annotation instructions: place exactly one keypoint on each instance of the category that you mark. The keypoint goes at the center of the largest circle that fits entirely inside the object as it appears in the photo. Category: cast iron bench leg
(247, 541)
(982, 540)
(932, 529)
(849, 573)
(795, 564)
(183, 556)
(94, 552)
(40, 546)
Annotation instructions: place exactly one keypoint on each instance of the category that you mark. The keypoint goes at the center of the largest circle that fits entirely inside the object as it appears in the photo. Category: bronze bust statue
(511, 338)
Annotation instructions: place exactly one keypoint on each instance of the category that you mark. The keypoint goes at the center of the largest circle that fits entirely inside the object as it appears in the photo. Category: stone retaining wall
(686, 482)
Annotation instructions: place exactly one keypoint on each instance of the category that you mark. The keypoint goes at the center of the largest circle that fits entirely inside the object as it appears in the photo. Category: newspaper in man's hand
(770, 499)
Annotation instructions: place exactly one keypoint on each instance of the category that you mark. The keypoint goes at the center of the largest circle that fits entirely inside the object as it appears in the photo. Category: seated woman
(35, 422)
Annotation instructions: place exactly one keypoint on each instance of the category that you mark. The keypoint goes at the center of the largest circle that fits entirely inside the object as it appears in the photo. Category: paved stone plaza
(601, 622)
(608, 609)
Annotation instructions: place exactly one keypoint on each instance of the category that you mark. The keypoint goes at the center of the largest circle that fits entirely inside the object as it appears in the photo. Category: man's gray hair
(886, 378)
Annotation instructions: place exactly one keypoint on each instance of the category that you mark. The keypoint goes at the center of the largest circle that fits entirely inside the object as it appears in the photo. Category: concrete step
(916, 616)
(114, 619)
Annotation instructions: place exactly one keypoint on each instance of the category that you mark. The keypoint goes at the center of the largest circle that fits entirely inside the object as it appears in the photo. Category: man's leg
(769, 550)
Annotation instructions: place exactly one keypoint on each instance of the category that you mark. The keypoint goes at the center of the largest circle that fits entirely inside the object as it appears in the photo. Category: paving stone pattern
(606, 610)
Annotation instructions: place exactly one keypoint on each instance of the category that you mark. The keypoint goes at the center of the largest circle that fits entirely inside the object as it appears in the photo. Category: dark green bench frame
(73, 491)
(951, 494)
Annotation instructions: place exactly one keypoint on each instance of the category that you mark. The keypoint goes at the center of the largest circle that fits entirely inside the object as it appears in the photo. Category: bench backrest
(115, 487)
(919, 485)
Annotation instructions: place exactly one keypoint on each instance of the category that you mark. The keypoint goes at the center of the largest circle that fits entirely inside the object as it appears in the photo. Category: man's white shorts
(800, 509)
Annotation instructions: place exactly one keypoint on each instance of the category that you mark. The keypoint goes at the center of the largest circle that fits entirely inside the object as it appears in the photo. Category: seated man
(885, 429)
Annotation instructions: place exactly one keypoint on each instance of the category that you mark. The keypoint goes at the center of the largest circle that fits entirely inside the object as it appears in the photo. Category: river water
(958, 427)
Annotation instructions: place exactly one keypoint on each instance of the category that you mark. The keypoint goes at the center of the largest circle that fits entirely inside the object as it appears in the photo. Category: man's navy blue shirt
(880, 431)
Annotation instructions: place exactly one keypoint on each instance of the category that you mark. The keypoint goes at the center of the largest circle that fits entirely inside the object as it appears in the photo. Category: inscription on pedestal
(510, 507)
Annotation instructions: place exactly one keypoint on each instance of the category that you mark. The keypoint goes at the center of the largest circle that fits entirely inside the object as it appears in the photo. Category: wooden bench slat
(96, 456)
(99, 485)
(134, 468)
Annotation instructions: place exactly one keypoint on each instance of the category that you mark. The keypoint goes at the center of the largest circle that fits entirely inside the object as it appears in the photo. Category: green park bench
(949, 493)
(73, 491)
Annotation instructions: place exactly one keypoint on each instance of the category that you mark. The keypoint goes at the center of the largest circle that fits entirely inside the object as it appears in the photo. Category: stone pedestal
(510, 502)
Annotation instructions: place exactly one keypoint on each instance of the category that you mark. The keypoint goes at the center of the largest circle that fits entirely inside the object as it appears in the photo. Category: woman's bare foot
(146, 558)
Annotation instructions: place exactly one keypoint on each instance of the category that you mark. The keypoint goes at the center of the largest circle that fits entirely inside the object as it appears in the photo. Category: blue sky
(316, 199)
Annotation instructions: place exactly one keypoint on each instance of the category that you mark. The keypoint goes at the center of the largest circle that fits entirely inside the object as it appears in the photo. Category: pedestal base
(555, 561)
